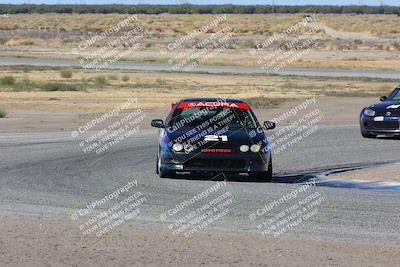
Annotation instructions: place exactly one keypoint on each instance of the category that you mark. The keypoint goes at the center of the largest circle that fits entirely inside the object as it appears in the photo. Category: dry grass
(170, 24)
(378, 25)
(24, 41)
(178, 24)
(54, 35)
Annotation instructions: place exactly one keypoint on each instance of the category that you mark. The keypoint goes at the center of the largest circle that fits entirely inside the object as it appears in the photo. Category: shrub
(7, 80)
(3, 40)
(50, 87)
(3, 113)
(100, 80)
(125, 78)
(66, 74)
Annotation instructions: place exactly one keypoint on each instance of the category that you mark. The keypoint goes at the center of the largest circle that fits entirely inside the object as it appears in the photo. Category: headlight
(255, 148)
(369, 112)
(177, 147)
(244, 148)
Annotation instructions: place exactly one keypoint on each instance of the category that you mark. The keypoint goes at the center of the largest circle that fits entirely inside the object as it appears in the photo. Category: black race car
(382, 118)
(213, 135)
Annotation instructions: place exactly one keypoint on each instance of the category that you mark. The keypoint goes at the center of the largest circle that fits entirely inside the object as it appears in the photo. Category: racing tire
(157, 171)
(367, 135)
(166, 174)
(264, 176)
(163, 173)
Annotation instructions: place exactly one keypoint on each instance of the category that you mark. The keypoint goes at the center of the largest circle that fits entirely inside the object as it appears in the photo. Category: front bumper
(215, 162)
(387, 126)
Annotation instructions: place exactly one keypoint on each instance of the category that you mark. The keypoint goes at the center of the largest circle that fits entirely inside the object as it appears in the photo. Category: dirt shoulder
(39, 242)
(390, 172)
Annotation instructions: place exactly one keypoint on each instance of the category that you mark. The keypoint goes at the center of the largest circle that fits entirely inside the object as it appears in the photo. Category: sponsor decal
(213, 104)
(216, 138)
(380, 118)
(216, 150)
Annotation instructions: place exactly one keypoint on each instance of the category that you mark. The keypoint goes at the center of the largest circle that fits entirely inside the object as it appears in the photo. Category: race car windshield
(220, 116)
(395, 95)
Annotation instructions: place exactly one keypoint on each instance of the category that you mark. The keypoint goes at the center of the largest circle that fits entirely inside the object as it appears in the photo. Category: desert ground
(55, 243)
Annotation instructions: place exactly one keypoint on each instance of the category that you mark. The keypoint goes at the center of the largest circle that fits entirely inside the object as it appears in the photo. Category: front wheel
(367, 135)
(166, 174)
(163, 173)
(264, 176)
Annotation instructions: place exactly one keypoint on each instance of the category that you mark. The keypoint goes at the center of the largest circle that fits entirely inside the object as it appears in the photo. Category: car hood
(387, 106)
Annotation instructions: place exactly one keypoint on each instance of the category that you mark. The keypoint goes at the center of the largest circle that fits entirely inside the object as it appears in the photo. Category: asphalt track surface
(323, 72)
(44, 175)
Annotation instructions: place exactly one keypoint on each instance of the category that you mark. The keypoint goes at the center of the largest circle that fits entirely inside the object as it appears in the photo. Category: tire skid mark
(324, 180)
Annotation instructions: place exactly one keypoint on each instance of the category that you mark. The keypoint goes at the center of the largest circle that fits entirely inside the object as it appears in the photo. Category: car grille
(393, 112)
(382, 125)
(216, 164)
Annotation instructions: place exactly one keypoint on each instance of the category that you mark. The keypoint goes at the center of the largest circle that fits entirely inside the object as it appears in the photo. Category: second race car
(382, 118)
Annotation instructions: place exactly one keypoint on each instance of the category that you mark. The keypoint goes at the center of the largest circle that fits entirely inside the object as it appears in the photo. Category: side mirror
(383, 98)
(157, 123)
(269, 125)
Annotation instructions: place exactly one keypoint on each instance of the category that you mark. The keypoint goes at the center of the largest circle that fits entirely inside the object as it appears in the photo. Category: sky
(238, 2)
